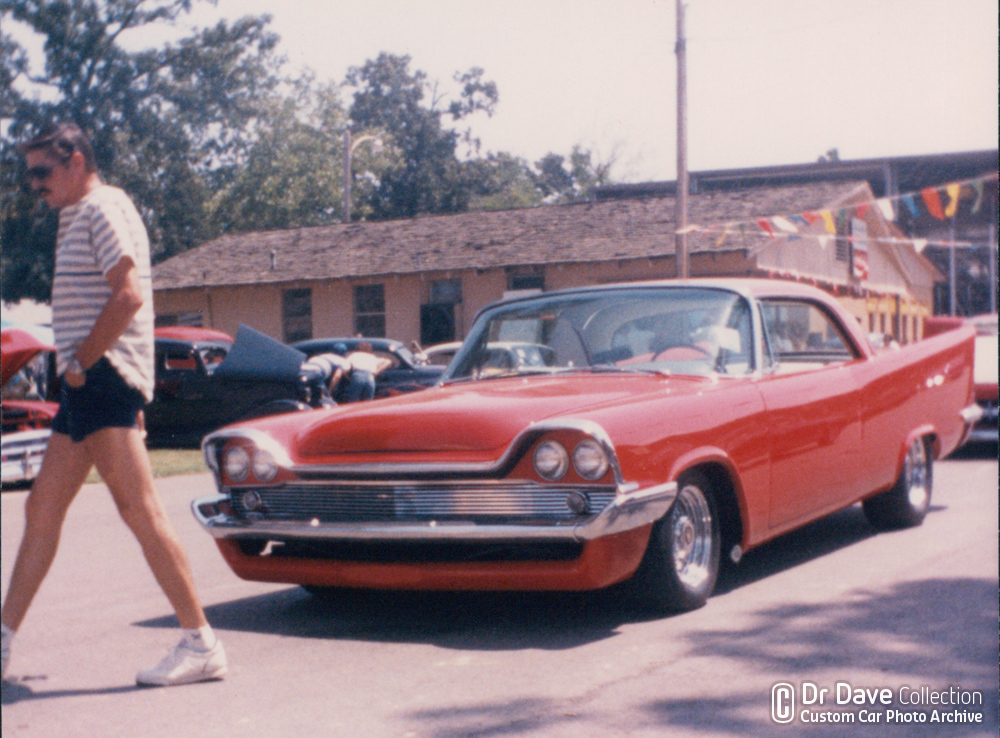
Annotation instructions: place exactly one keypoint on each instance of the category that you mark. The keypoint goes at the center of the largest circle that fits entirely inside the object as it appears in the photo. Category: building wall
(333, 301)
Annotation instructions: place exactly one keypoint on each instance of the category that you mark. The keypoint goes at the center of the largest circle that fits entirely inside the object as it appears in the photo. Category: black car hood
(257, 355)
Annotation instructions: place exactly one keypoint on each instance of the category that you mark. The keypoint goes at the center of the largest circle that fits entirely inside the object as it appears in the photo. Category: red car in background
(986, 377)
(985, 367)
(26, 408)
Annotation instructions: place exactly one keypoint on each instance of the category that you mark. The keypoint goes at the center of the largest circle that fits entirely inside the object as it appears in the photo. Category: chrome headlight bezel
(265, 467)
(590, 460)
(236, 462)
(551, 460)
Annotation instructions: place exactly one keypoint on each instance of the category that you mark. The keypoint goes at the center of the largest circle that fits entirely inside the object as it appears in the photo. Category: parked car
(405, 374)
(500, 355)
(441, 354)
(985, 372)
(205, 380)
(671, 430)
(986, 377)
(27, 409)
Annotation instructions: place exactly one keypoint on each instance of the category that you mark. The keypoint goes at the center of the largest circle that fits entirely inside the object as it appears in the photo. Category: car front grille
(349, 502)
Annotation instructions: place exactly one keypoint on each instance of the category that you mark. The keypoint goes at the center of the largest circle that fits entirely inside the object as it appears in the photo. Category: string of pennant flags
(941, 203)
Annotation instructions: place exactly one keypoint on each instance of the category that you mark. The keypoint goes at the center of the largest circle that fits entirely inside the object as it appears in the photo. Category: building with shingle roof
(423, 279)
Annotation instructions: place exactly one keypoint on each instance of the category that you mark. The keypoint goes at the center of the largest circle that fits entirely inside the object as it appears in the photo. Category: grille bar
(383, 502)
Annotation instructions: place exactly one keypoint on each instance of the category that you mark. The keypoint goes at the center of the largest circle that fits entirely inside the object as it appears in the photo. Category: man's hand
(75, 376)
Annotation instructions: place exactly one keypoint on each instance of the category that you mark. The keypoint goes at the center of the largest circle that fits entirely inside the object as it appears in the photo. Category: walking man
(102, 313)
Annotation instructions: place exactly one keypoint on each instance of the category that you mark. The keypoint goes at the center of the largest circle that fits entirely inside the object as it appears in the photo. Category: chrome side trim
(625, 513)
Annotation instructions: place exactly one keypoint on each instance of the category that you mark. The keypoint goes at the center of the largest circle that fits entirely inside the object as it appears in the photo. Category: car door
(813, 411)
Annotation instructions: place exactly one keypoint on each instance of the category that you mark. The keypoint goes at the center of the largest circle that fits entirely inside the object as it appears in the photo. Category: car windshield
(684, 330)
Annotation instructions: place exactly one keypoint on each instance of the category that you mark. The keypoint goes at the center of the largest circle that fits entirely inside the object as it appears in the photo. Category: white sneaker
(185, 665)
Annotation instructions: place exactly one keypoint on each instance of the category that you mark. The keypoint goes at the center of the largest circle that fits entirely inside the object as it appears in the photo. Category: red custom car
(678, 422)
(27, 416)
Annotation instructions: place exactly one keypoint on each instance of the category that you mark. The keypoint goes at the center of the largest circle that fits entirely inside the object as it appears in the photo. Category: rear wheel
(681, 564)
(906, 504)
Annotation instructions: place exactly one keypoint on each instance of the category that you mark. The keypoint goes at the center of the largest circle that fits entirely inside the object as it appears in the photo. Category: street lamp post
(681, 196)
(349, 146)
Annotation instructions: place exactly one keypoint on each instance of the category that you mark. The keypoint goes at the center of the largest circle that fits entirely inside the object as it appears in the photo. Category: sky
(769, 82)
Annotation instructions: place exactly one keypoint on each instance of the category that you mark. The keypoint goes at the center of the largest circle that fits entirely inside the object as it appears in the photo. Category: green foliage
(428, 177)
(160, 119)
(208, 136)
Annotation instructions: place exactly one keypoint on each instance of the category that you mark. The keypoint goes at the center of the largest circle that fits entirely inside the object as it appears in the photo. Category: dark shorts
(104, 401)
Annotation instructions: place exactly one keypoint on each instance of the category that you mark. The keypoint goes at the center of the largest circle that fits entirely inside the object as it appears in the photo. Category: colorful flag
(885, 205)
(911, 204)
(932, 199)
(954, 194)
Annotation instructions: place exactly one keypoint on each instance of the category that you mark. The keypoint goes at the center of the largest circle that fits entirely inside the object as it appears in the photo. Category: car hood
(482, 416)
(17, 348)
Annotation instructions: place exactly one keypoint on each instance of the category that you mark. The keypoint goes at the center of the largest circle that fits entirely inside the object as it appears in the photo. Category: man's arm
(121, 307)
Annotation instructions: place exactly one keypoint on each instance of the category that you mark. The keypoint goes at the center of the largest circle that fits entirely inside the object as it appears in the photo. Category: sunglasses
(40, 173)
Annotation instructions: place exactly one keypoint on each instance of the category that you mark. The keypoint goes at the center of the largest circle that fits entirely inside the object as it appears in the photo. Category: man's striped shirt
(95, 234)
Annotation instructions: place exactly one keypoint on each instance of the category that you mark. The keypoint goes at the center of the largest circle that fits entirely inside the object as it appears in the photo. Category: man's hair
(61, 141)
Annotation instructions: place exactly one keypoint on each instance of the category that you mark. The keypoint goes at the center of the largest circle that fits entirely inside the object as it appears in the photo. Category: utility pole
(680, 197)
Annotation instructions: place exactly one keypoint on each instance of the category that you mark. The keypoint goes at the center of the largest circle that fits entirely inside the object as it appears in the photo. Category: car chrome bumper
(972, 415)
(22, 455)
(624, 513)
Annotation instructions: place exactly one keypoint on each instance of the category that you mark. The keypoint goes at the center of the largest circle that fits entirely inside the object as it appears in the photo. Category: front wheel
(681, 564)
(906, 504)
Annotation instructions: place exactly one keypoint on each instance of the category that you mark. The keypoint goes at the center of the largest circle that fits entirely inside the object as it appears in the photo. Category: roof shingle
(578, 233)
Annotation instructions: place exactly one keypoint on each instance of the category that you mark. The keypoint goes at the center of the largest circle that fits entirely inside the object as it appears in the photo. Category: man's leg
(63, 472)
(121, 458)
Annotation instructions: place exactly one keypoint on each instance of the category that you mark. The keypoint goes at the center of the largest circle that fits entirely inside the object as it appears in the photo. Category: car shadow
(813, 541)
(502, 620)
(978, 450)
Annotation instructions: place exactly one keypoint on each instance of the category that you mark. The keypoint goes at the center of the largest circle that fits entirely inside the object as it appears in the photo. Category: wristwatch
(74, 367)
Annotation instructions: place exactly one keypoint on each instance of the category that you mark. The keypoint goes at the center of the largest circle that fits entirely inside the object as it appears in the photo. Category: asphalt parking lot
(828, 605)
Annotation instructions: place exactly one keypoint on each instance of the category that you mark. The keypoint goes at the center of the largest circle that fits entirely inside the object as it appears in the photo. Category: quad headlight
(237, 463)
(265, 468)
(590, 460)
(551, 460)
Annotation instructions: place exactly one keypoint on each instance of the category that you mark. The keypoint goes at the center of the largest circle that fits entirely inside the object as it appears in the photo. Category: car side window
(802, 335)
(180, 360)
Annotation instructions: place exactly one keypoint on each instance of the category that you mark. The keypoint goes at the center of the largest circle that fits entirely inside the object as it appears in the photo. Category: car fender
(718, 464)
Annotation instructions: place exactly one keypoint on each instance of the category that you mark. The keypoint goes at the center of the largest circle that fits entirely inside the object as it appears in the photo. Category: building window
(296, 315)
(437, 318)
(522, 282)
(369, 310)
(193, 319)
(446, 291)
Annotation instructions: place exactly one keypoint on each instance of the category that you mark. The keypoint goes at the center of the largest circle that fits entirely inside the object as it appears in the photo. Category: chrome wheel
(693, 537)
(916, 477)
(681, 564)
(907, 503)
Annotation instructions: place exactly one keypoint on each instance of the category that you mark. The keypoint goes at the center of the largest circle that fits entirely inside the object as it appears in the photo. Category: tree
(559, 184)
(290, 176)
(161, 120)
(429, 177)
